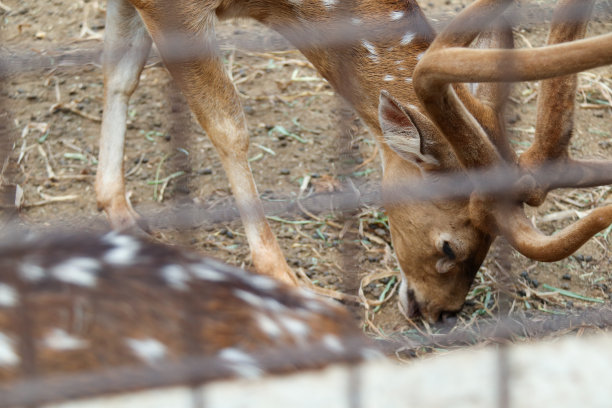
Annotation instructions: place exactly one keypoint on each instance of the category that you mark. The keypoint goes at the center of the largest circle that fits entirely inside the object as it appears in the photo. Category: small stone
(565, 286)
(227, 233)
(204, 172)
(380, 232)
(285, 172)
(566, 276)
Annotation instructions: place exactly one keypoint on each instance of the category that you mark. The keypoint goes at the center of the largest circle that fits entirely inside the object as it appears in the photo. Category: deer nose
(408, 305)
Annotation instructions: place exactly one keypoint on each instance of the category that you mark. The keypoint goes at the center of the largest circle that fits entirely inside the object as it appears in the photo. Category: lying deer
(83, 306)
(466, 144)
(439, 245)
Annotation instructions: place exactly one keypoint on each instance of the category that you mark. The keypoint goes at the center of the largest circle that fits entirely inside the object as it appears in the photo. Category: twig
(50, 173)
(71, 107)
(334, 294)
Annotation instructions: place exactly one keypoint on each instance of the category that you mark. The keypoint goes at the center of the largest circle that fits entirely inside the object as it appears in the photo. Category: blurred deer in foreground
(73, 305)
(462, 242)
(362, 47)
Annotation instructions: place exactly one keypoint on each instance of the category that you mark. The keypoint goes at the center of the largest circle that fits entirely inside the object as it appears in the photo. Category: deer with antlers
(101, 314)
(428, 128)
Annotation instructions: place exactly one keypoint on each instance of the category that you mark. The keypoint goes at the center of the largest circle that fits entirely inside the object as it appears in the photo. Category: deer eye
(448, 251)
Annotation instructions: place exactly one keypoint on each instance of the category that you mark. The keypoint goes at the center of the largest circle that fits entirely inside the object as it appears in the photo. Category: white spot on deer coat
(59, 340)
(125, 249)
(329, 4)
(8, 296)
(176, 276)
(407, 38)
(356, 21)
(388, 78)
(263, 282)
(332, 343)
(396, 15)
(149, 350)
(8, 357)
(297, 328)
(77, 271)
(418, 57)
(31, 272)
(268, 326)
(243, 364)
(205, 272)
(371, 49)
(250, 298)
(409, 80)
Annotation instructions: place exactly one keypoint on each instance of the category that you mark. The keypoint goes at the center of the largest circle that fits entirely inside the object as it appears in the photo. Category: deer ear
(411, 134)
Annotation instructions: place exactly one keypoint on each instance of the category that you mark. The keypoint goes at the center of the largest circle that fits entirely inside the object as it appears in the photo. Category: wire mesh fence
(339, 210)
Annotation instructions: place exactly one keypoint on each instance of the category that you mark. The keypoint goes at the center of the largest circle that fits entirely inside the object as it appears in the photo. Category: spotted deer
(368, 51)
(73, 306)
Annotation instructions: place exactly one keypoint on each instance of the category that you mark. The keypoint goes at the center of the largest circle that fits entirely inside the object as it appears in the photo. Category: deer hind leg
(126, 47)
(213, 99)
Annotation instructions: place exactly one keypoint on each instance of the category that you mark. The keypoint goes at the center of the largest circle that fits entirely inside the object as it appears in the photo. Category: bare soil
(283, 98)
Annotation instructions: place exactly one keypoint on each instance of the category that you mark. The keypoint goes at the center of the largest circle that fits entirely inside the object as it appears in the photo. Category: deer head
(441, 245)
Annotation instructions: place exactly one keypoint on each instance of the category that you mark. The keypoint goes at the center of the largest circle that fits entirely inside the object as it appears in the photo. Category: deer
(358, 66)
(439, 245)
(465, 144)
(77, 306)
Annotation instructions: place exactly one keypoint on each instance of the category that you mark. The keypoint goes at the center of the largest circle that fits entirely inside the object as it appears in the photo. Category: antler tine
(553, 131)
(529, 241)
(489, 100)
(555, 115)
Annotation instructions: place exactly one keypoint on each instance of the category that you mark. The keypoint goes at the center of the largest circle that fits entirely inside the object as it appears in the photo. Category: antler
(447, 61)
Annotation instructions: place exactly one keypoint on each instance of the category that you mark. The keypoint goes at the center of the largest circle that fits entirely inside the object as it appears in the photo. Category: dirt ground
(293, 118)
